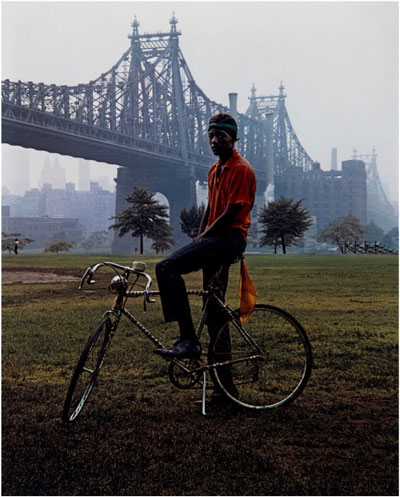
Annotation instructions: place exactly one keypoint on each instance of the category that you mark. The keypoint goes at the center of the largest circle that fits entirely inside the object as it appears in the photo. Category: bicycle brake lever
(90, 280)
(83, 279)
(147, 300)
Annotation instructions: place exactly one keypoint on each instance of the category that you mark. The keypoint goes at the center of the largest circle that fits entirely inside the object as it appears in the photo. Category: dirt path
(8, 277)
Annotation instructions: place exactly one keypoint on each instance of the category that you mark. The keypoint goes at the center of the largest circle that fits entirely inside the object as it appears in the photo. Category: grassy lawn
(139, 435)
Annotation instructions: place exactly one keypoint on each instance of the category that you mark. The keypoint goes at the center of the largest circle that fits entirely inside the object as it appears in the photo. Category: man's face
(221, 142)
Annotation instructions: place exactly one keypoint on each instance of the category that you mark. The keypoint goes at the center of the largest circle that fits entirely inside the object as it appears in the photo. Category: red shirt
(236, 184)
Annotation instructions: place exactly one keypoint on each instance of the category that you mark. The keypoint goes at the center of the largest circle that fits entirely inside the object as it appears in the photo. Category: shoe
(181, 350)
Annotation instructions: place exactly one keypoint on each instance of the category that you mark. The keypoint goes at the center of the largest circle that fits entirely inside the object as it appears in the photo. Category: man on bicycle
(222, 237)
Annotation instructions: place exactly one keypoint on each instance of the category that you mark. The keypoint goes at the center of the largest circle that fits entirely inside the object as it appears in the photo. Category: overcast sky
(338, 60)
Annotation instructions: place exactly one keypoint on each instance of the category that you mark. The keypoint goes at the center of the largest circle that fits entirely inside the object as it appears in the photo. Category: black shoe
(181, 350)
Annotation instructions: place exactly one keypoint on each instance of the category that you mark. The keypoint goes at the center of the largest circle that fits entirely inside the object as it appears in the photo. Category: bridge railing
(149, 95)
(86, 108)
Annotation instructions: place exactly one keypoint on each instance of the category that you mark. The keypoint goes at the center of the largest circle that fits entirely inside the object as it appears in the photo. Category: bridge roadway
(146, 114)
(157, 167)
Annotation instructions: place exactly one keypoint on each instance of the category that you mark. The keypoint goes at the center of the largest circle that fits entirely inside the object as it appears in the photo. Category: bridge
(379, 209)
(148, 115)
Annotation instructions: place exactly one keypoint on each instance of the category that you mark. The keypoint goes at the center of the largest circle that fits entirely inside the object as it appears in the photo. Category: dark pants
(207, 254)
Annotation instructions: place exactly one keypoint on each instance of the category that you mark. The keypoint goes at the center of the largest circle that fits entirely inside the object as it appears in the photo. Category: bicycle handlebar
(89, 274)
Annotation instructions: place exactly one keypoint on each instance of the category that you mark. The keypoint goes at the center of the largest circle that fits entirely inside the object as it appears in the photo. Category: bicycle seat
(139, 266)
(236, 259)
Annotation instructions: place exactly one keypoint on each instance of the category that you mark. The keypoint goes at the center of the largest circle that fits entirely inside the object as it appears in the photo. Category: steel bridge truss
(148, 100)
(288, 151)
(377, 199)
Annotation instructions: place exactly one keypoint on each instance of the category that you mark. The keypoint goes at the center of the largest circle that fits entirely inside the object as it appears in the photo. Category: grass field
(139, 435)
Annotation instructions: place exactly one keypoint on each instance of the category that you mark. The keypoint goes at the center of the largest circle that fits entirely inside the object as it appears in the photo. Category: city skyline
(338, 61)
(69, 166)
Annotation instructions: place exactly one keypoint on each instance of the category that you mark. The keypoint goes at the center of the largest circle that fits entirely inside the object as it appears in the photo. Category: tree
(391, 238)
(373, 233)
(283, 222)
(98, 239)
(145, 218)
(8, 241)
(163, 241)
(162, 238)
(59, 246)
(191, 219)
(342, 231)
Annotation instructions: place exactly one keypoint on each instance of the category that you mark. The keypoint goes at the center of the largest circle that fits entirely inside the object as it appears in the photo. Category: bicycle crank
(185, 373)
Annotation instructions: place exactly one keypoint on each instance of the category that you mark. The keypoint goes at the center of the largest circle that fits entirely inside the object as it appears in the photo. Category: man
(221, 239)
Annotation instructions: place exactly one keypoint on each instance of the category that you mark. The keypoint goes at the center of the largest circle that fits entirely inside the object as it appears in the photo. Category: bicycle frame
(192, 373)
(123, 295)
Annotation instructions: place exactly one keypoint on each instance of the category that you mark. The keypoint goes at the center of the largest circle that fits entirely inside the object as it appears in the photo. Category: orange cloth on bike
(246, 292)
(236, 184)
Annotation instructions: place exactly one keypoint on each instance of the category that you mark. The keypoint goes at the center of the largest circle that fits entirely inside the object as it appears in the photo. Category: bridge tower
(379, 209)
(286, 147)
(177, 185)
(145, 114)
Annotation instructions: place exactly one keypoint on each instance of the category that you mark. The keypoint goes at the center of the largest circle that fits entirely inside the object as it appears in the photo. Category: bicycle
(268, 357)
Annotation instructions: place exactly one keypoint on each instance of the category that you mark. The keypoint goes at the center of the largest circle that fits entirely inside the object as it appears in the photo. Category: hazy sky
(337, 60)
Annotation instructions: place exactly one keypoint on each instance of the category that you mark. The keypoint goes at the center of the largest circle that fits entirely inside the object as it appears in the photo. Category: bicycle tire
(87, 370)
(267, 370)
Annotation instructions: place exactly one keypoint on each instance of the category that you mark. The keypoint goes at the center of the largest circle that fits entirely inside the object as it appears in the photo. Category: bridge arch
(169, 183)
(163, 200)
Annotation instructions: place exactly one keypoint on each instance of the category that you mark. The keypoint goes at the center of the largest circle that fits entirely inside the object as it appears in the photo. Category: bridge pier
(176, 187)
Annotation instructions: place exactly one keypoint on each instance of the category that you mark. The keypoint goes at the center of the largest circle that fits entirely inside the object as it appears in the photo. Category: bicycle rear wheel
(87, 370)
(265, 363)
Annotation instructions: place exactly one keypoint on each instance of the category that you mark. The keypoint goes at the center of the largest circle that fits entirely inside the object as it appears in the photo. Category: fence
(368, 248)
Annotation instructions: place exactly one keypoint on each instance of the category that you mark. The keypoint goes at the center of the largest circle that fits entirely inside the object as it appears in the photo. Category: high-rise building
(334, 166)
(59, 174)
(13, 202)
(54, 175)
(92, 208)
(15, 169)
(354, 179)
(45, 174)
(106, 183)
(33, 204)
(327, 195)
(42, 229)
(83, 175)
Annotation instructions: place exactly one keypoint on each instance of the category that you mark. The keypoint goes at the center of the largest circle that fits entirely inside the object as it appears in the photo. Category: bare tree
(8, 241)
(59, 246)
(342, 231)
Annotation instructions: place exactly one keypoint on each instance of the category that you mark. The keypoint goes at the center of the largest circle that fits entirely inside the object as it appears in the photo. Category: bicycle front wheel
(87, 370)
(264, 363)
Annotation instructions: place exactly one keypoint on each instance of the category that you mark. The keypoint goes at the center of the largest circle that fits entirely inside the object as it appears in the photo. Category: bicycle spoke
(87, 370)
(268, 368)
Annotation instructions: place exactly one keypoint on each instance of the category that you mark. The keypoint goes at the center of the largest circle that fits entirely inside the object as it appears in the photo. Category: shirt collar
(231, 161)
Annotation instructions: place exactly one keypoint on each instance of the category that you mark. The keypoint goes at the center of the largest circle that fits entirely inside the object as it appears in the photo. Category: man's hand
(203, 223)
(222, 224)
